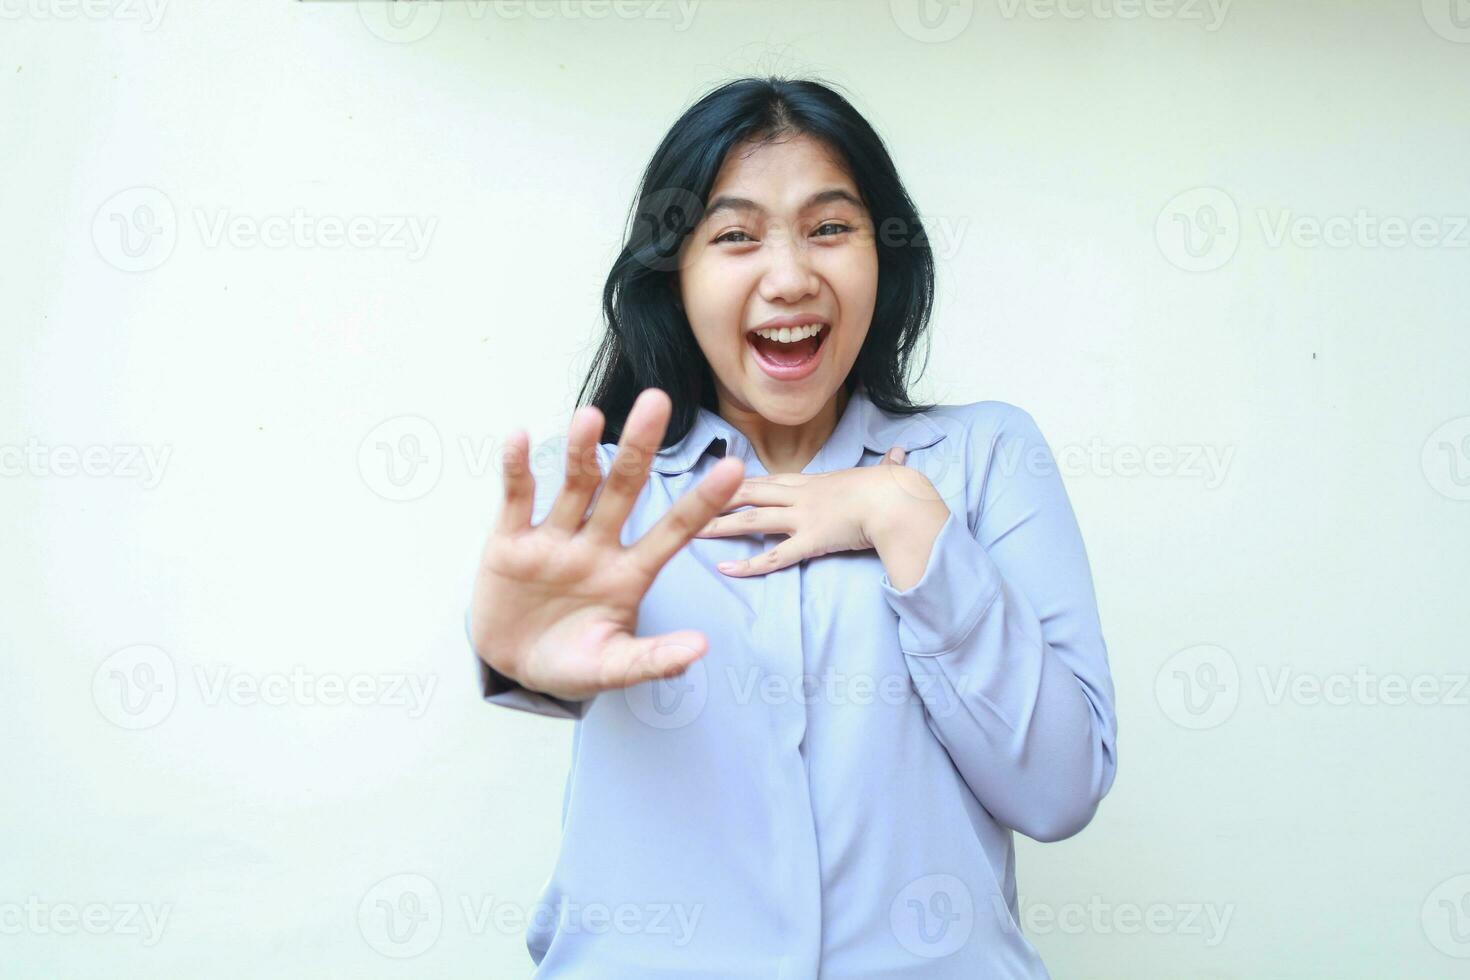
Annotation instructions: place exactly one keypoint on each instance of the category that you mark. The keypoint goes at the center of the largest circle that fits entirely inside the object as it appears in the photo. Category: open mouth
(789, 359)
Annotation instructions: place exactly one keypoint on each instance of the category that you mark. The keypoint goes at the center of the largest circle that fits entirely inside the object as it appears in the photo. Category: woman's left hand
(821, 512)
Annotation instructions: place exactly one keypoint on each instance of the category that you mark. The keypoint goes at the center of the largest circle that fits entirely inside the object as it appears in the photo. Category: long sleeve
(1003, 643)
(548, 467)
(496, 688)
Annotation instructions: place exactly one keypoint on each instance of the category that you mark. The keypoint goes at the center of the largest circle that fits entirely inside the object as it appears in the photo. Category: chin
(790, 404)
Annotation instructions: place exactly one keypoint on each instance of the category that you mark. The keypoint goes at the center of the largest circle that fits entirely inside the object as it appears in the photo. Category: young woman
(826, 648)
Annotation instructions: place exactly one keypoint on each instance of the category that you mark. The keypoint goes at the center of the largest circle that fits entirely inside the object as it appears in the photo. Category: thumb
(894, 456)
(630, 660)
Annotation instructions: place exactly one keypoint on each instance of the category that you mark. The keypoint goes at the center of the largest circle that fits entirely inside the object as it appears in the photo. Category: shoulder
(983, 428)
(990, 415)
(992, 451)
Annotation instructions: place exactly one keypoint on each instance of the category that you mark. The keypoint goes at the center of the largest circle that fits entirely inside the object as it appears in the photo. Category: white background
(1048, 154)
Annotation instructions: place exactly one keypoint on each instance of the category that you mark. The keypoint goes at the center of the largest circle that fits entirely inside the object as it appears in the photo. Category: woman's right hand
(555, 605)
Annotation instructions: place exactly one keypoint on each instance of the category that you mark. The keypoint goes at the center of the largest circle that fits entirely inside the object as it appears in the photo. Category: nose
(789, 276)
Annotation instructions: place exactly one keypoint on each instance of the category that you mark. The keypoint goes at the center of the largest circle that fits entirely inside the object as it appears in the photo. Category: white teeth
(790, 335)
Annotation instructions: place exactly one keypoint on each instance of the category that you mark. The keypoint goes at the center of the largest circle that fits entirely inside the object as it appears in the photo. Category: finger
(788, 552)
(643, 431)
(582, 474)
(687, 515)
(894, 457)
(634, 659)
(759, 520)
(755, 492)
(520, 486)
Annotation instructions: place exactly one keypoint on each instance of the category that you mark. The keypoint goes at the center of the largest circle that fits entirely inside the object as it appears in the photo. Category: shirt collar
(863, 425)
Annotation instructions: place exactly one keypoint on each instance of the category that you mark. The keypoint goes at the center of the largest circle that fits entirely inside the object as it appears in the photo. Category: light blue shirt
(830, 791)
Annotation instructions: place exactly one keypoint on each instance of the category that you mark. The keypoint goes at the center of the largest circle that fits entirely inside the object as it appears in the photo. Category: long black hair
(649, 343)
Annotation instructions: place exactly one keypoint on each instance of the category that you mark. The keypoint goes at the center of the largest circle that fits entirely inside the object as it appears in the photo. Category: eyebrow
(727, 203)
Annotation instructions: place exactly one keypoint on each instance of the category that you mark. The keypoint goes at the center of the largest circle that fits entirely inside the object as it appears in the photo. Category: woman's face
(784, 235)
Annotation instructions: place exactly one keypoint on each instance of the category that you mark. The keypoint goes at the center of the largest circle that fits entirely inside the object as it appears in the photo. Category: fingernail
(726, 566)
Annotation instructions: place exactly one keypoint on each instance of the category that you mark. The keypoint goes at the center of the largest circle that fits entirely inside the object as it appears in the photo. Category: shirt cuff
(944, 606)
(498, 689)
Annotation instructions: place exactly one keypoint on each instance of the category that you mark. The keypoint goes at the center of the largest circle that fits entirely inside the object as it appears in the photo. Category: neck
(785, 448)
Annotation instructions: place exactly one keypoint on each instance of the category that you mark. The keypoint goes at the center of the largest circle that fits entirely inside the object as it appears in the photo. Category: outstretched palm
(556, 604)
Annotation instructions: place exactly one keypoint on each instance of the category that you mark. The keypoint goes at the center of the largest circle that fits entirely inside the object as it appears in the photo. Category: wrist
(904, 503)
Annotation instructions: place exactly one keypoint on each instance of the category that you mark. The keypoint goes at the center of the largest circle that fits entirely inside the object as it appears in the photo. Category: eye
(726, 237)
(833, 224)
